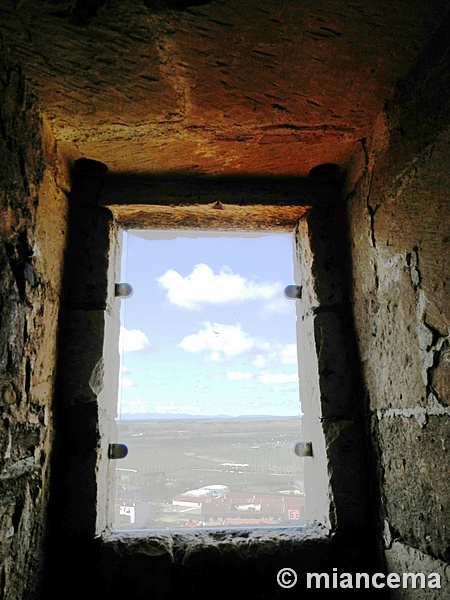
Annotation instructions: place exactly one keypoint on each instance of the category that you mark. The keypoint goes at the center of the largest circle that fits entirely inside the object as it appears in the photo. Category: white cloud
(261, 361)
(285, 354)
(202, 287)
(239, 375)
(132, 340)
(278, 378)
(288, 354)
(221, 341)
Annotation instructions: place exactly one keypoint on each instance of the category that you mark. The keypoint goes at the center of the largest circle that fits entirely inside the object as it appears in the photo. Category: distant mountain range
(186, 416)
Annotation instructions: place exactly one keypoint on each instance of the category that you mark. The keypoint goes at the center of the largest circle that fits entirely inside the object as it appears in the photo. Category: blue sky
(208, 330)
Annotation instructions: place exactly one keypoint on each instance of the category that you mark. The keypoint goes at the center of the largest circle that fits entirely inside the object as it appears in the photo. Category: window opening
(208, 400)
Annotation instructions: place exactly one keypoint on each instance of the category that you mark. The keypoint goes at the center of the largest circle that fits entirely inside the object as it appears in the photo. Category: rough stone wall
(32, 237)
(399, 211)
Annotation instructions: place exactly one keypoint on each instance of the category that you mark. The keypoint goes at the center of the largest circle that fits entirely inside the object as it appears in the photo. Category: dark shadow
(174, 4)
(185, 188)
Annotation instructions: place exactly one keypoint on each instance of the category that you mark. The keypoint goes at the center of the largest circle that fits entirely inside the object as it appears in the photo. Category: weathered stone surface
(399, 220)
(338, 365)
(404, 246)
(32, 238)
(416, 489)
(401, 559)
(83, 353)
(440, 377)
(193, 563)
(346, 473)
(253, 87)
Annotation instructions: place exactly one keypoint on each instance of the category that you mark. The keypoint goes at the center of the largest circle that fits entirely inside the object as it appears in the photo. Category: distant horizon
(191, 417)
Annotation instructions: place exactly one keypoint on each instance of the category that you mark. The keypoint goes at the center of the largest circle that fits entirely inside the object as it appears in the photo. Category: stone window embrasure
(100, 206)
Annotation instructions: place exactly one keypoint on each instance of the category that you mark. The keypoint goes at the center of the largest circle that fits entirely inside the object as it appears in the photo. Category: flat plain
(169, 457)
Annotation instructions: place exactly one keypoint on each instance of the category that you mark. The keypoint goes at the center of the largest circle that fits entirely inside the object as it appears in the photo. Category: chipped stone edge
(179, 543)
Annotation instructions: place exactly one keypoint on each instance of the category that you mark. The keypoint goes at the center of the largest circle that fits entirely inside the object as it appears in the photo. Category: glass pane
(208, 393)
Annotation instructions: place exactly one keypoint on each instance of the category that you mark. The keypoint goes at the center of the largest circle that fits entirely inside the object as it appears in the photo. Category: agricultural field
(167, 458)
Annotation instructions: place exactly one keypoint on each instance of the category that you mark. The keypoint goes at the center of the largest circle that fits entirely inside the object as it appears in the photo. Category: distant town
(209, 473)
